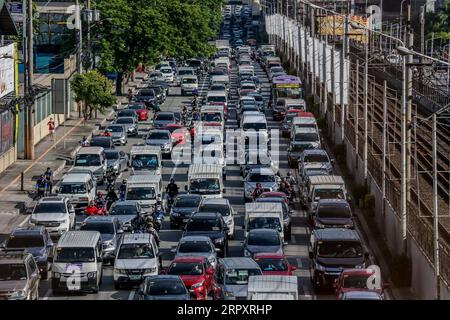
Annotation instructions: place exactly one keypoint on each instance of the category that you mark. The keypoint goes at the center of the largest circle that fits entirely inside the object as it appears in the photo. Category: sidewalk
(48, 153)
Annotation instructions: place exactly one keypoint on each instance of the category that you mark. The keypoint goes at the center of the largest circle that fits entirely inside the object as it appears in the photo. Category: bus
(286, 86)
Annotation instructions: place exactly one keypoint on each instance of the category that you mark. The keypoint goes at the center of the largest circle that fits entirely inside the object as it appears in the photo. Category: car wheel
(95, 289)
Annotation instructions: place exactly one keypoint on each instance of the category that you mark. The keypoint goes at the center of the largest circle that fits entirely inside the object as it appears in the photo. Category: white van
(80, 188)
(255, 122)
(206, 180)
(212, 153)
(146, 189)
(272, 287)
(184, 71)
(77, 262)
(94, 159)
(218, 79)
(264, 215)
(188, 84)
(145, 160)
(137, 257)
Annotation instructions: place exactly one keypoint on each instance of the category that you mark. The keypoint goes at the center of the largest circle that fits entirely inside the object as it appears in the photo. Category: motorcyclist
(92, 209)
(172, 189)
(49, 179)
(258, 191)
(111, 197)
(138, 223)
(100, 201)
(84, 142)
(158, 213)
(286, 188)
(150, 228)
(123, 189)
(40, 187)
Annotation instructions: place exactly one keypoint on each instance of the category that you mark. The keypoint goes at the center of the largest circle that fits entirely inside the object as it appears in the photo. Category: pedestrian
(51, 128)
(49, 180)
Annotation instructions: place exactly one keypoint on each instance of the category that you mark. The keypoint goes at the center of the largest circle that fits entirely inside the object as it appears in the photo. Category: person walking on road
(49, 180)
(51, 128)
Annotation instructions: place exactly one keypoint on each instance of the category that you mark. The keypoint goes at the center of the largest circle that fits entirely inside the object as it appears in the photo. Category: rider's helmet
(172, 180)
(124, 181)
(258, 185)
(92, 203)
(99, 194)
(149, 219)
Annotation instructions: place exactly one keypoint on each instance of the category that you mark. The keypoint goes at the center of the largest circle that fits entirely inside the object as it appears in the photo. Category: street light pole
(436, 213)
(29, 130)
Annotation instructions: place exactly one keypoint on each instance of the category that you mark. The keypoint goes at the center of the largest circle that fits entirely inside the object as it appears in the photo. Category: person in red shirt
(92, 209)
(51, 128)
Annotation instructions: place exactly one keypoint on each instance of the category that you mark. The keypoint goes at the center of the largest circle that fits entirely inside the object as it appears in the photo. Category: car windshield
(214, 117)
(186, 269)
(333, 211)
(300, 147)
(205, 185)
(263, 239)
(70, 255)
(150, 93)
(50, 208)
(144, 161)
(166, 70)
(217, 88)
(240, 276)
(158, 136)
(114, 129)
(159, 287)
(186, 72)
(12, 272)
(72, 188)
(194, 247)
(272, 264)
(316, 172)
(103, 228)
(204, 225)
(257, 126)
(112, 155)
(164, 117)
(147, 193)
(329, 193)
(248, 87)
(223, 209)
(357, 281)
(189, 80)
(306, 137)
(216, 99)
(339, 249)
(125, 120)
(105, 143)
(87, 160)
(185, 202)
(135, 251)
(25, 242)
(316, 158)
(123, 210)
(135, 107)
(264, 223)
(257, 177)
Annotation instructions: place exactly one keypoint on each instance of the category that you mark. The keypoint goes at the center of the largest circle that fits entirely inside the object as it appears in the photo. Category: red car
(197, 274)
(357, 279)
(275, 194)
(274, 264)
(179, 133)
(140, 109)
(300, 113)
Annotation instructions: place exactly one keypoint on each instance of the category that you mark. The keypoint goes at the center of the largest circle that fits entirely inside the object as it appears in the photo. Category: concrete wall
(8, 158)
(41, 129)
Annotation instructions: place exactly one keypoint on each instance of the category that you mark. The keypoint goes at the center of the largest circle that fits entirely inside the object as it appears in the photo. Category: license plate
(136, 277)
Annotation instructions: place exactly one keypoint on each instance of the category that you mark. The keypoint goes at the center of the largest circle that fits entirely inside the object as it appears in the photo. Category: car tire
(44, 275)
(95, 289)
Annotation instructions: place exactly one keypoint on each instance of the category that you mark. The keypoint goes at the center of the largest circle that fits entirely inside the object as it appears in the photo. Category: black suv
(333, 213)
(19, 276)
(104, 142)
(34, 240)
(333, 250)
(212, 225)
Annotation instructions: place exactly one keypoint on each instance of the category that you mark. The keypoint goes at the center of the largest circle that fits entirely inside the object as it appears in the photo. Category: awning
(7, 25)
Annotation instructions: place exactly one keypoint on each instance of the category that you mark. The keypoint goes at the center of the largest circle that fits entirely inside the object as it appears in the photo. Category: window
(240, 276)
(69, 255)
(186, 269)
(50, 208)
(13, 272)
(194, 246)
(136, 251)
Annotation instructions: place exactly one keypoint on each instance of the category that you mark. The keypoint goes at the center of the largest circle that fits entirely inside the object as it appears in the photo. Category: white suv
(56, 214)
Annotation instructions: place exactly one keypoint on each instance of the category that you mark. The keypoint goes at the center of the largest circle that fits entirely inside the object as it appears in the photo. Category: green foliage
(94, 90)
(439, 21)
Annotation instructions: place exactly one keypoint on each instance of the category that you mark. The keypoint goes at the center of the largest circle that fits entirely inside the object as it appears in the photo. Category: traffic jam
(212, 183)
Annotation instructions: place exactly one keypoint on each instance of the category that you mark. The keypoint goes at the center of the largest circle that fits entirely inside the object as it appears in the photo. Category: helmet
(92, 202)
(289, 174)
(124, 181)
(172, 180)
(149, 219)
(99, 194)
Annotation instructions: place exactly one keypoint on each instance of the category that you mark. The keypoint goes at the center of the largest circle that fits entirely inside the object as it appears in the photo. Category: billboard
(6, 130)
(334, 25)
(7, 68)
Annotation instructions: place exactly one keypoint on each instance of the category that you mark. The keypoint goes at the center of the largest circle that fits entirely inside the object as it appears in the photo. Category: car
(32, 239)
(162, 139)
(286, 125)
(295, 151)
(19, 276)
(217, 87)
(274, 264)
(333, 213)
(160, 92)
(164, 85)
(203, 246)
(360, 295)
(222, 206)
(156, 75)
(287, 212)
(126, 113)
(137, 257)
(209, 224)
(162, 119)
(117, 160)
(318, 156)
(197, 274)
(118, 134)
(265, 176)
(107, 143)
(163, 287)
(167, 74)
(273, 71)
(110, 230)
(56, 214)
(184, 71)
(259, 99)
(179, 133)
(183, 207)
(147, 96)
(125, 211)
(262, 240)
(130, 124)
(140, 109)
(358, 279)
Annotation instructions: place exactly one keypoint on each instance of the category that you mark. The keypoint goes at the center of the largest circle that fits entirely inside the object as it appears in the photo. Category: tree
(439, 21)
(94, 90)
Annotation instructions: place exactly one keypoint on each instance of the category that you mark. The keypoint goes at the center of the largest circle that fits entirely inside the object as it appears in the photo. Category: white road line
(24, 221)
(47, 294)
(132, 293)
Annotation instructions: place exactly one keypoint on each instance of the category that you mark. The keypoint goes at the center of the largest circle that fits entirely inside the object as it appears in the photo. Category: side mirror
(311, 255)
(192, 294)
(224, 191)
(50, 259)
(173, 250)
(293, 268)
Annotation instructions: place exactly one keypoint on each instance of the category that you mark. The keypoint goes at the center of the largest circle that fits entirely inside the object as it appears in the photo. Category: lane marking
(132, 293)
(47, 294)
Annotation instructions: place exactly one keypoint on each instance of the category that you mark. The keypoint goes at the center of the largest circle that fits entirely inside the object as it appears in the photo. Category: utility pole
(79, 36)
(366, 84)
(88, 33)
(422, 30)
(436, 214)
(29, 105)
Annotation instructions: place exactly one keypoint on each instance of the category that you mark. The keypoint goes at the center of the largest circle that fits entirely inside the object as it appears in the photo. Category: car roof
(195, 238)
(262, 171)
(336, 234)
(238, 263)
(76, 177)
(265, 255)
(334, 202)
(125, 203)
(84, 239)
(18, 257)
(90, 150)
(165, 113)
(100, 219)
(315, 151)
(362, 294)
(52, 200)
(189, 259)
(28, 231)
(262, 231)
(205, 215)
(188, 195)
(128, 238)
(220, 201)
(305, 130)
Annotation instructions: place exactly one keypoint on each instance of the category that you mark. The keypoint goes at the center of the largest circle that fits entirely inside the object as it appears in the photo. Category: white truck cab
(264, 215)
(145, 160)
(145, 189)
(272, 287)
(206, 180)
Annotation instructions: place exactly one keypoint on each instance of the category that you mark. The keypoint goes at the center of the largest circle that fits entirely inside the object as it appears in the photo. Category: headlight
(218, 240)
(230, 222)
(20, 294)
(56, 275)
(198, 284)
(150, 270)
(92, 275)
(116, 167)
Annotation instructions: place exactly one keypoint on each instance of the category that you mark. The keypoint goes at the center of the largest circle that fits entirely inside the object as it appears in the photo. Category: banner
(7, 68)
(7, 127)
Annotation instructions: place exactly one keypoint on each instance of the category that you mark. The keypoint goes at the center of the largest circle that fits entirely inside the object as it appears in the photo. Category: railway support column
(436, 213)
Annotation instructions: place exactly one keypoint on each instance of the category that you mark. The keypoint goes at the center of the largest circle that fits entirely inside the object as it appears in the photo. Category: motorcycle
(111, 176)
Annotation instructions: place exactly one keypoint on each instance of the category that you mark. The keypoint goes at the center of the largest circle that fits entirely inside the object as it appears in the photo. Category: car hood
(211, 234)
(340, 263)
(185, 210)
(135, 263)
(169, 297)
(125, 218)
(190, 280)
(13, 285)
(334, 221)
(194, 254)
(49, 216)
(157, 142)
(259, 249)
(238, 290)
(107, 237)
(117, 134)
